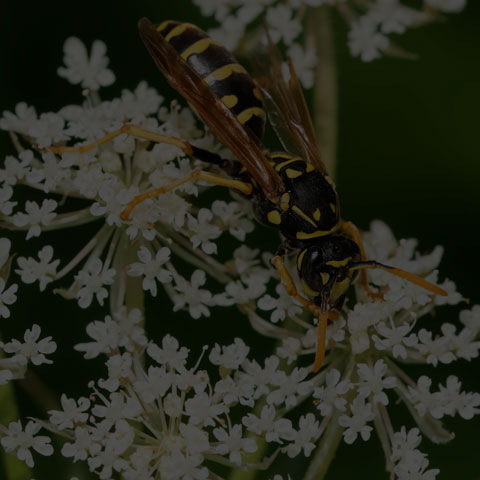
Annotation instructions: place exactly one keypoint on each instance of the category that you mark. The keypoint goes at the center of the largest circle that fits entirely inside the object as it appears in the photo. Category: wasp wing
(287, 109)
(211, 110)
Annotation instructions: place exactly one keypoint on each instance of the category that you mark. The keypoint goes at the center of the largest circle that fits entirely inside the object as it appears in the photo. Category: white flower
(232, 218)
(203, 231)
(151, 269)
(331, 395)
(361, 413)
(274, 429)
(91, 281)
(290, 387)
(170, 354)
(305, 438)
(35, 216)
(404, 444)
(364, 39)
(44, 270)
(71, 413)
(51, 173)
(282, 25)
(48, 129)
(6, 207)
(90, 72)
(179, 467)
(231, 442)
(290, 348)
(304, 60)
(123, 331)
(395, 338)
(231, 356)
(203, 409)
(154, 385)
(189, 294)
(282, 306)
(423, 400)
(434, 350)
(19, 441)
(32, 349)
(7, 297)
(372, 381)
(21, 120)
(85, 444)
(415, 468)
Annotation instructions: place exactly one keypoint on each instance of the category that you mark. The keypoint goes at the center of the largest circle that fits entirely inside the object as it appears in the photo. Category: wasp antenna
(412, 278)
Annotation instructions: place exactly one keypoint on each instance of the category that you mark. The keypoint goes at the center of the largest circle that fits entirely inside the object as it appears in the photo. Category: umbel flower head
(157, 412)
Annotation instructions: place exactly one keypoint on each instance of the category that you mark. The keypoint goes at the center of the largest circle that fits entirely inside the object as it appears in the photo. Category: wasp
(290, 191)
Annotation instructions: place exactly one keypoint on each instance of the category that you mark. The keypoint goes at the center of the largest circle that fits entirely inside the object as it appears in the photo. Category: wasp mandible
(290, 191)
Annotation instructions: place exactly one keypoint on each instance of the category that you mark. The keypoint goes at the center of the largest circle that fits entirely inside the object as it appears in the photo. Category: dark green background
(408, 154)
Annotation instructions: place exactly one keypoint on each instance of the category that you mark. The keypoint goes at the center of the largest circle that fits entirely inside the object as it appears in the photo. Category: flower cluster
(370, 23)
(157, 412)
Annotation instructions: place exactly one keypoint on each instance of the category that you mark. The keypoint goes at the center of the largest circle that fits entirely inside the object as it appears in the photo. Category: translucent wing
(211, 110)
(287, 109)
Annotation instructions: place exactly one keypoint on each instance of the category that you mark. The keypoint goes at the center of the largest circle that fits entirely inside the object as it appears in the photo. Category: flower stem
(325, 451)
(12, 466)
(325, 110)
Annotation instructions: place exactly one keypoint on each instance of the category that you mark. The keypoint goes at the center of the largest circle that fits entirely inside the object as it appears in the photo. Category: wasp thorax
(325, 271)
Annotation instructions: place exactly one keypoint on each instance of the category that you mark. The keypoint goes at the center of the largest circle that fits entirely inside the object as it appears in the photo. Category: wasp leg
(351, 229)
(323, 317)
(244, 187)
(128, 129)
(231, 167)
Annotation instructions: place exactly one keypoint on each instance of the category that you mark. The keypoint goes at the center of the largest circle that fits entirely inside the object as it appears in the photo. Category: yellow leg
(127, 129)
(350, 229)
(291, 289)
(213, 178)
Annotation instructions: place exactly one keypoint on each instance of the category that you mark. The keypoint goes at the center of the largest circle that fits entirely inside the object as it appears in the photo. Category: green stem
(326, 450)
(12, 467)
(126, 290)
(325, 109)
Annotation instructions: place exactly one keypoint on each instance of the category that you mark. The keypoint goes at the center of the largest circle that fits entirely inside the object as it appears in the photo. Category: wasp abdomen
(220, 70)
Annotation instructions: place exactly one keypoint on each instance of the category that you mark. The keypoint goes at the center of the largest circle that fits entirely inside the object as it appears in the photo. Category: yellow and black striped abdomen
(217, 66)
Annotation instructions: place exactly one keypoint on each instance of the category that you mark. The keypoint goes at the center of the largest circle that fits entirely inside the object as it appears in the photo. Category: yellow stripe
(338, 263)
(279, 166)
(164, 25)
(281, 155)
(285, 201)
(258, 93)
(178, 30)
(224, 72)
(248, 113)
(309, 168)
(308, 290)
(230, 100)
(317, 214)
(300, 259)
(333, 207)
(318, 233)
(298, 211)
(198, 47)
(291, 173)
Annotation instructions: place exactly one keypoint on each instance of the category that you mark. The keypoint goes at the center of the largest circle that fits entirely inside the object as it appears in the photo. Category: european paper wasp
(290, 191)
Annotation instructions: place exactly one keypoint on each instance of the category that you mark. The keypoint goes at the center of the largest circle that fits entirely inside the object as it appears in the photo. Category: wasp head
(325, 269)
